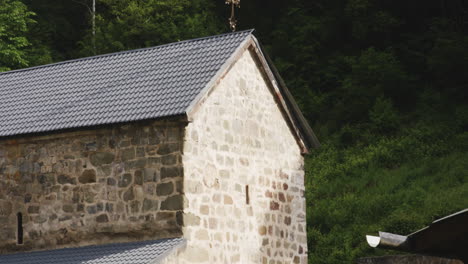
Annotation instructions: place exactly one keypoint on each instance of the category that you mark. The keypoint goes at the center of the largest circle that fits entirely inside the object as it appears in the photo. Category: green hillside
(397, 184)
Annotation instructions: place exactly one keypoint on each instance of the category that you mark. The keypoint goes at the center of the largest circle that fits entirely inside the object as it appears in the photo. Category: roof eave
(305, 131)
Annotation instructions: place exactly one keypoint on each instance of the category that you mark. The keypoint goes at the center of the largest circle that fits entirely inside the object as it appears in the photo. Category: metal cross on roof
(232, 19)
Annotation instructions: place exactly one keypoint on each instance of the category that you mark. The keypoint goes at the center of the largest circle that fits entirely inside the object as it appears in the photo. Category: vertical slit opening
(19, 218)
(247, 195)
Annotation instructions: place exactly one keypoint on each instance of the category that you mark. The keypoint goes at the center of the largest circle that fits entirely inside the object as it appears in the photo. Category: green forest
(384, 85)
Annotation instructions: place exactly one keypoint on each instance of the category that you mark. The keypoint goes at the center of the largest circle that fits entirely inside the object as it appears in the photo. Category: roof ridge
(124, 52)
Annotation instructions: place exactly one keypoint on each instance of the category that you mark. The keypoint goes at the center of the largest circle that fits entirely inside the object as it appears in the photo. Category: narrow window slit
(19, 217)
(247, 195)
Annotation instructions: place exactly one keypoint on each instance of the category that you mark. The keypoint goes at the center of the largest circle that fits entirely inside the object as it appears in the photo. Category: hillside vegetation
(383, 83)
(397, 184)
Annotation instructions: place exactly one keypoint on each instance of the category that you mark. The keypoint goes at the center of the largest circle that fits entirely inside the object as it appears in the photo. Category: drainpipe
(388, 241)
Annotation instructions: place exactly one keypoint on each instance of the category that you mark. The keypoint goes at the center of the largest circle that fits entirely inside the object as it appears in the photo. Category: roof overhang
(446, 237)
(299, 126)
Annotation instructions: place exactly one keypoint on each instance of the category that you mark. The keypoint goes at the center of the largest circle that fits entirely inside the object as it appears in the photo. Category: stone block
(179, 186)
(151, 149)
(152, 161)
(213, 223)
(65, 179)
(91, 209)
(125, 143)
(109, 207)
(138, 176)
(140, 152)
(127, 154)
(164, 189)
(140, 163)
(89, 195)
(150, 174)
(202, 234)
(281, 197)
(218, 237)
(169, 148)
(33, 209)
(139, 192)
(196, 255)
(39, 219)
(149, 205)
(46, 180)
(68, 208)
(103, 218)
(135, 207)
(64, 218)
(101, 158)
(224, 174)
(173, 203)
(105, 169)
(128, 195)
(216, 198)
(170, 172)
(169, 160)
(165, 216)
(88, 176)
(5, 208)
(274, 205)
(228, 199)
(204, 210)
(125, 180)
(111, 182)
(191, 220)
(27, 198)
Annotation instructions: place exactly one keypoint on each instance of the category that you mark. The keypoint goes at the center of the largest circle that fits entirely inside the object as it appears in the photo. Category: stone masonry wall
(240, 138)
(115, 184)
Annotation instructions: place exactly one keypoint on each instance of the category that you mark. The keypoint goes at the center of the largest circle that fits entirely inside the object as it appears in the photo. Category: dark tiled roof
(120, 87)
(125, 253)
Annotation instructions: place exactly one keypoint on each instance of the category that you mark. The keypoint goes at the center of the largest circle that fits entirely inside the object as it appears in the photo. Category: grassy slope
(396, 184)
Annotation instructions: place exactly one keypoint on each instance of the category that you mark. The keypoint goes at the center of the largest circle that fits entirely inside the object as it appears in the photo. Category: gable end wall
(239, 137)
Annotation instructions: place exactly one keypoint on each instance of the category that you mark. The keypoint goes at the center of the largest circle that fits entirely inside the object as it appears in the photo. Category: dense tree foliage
(383, 84)
(14, 22)
(123, 25)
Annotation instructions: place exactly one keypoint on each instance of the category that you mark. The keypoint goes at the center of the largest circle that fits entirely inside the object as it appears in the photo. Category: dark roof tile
(120, 87)
(144, 252)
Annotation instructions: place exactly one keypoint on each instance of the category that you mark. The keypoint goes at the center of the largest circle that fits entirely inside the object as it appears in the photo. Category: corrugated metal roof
(125, 253)
(120, 87)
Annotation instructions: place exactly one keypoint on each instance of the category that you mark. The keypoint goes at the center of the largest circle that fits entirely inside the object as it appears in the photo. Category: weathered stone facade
(230, 181)
(114, 184)
(244, 176)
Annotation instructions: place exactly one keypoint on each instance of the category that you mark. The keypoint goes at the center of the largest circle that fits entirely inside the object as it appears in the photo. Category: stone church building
(190, 152)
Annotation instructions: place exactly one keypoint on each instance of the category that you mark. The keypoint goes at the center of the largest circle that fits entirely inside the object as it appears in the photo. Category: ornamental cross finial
(232, 19)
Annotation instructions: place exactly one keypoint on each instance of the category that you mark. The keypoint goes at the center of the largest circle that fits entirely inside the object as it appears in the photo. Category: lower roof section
(446, 237)
(143, 252)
